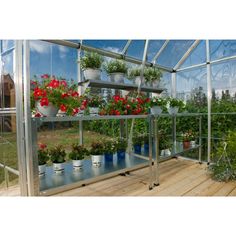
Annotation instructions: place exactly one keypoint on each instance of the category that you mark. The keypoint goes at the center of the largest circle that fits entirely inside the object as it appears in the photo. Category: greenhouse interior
(118, 117)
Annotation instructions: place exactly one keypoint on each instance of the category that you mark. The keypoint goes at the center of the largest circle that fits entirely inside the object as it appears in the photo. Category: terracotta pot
(186, 144)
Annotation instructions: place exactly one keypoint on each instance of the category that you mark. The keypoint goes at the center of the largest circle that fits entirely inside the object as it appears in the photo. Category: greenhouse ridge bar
(177, 64)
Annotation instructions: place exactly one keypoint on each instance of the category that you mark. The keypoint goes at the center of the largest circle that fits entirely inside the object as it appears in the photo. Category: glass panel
(8, 148)
(222, 48)
(136, 49)
(174, 52)
(166, 83)
(53, 59)
(110, 45)
(7, 87)
(7, 44)
(197, 56)
(153, 47)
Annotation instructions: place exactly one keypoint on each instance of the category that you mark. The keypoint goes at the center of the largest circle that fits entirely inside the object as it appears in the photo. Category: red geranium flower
(44, 101)
(45, 76)
(54, 83)
(64, 95)
(75, 111)
(63, 83)
(63, 108)
(42, 146)
(75, 94)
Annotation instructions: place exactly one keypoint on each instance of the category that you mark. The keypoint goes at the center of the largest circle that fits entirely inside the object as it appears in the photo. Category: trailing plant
(57, 154)
(79, 152)
(158, 101)
(97, 148)
(116, 66)
(174, 102)
(91, 60)
(134, 72)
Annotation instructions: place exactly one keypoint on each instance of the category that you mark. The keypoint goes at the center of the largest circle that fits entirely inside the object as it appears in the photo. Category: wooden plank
(226, 189)
(232, 193)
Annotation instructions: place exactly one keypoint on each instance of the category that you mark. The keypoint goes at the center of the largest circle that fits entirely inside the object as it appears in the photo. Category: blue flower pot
(121, 154)
(108, 156)
(146, 147)
(137, 148)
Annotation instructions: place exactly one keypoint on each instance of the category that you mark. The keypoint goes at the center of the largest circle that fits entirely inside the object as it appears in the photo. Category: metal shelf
(122, 86)
(52, 183)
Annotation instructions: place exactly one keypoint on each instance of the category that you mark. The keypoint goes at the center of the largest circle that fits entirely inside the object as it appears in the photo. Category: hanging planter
(173, 110)
(157, 105)
(174, 105)
(156, 110)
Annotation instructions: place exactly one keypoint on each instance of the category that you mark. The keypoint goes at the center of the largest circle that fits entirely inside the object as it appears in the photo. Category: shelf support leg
(200, 141)
(150, 152)
(156, 141)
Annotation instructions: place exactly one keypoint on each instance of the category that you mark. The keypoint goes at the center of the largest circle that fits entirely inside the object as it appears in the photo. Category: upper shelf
(122, 86)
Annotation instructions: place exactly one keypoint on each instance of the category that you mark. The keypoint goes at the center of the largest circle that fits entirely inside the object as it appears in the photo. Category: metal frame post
(18, 73)
(209, 94)
(200, 141)
(173, 94)
(30, 146)
(156, 143)
(150, 151)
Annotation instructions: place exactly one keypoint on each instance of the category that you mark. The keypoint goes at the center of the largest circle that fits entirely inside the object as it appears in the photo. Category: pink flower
(45, 76)
(63, 83)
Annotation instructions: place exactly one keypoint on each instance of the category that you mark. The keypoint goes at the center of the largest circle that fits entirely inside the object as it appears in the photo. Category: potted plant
(135, 75)
(137, 143)
(52, 94)
(116, 69)
(77, 155)
(57, 156)
(174, 105)
(157, 104)
(91, 65)
(187, 137)
(109, 149)
(152, 76)
(121, 145)
(43, 158)
(94, 103)
(96, 152)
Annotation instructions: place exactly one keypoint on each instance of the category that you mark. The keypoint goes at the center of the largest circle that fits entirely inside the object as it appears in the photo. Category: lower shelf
(89, 173)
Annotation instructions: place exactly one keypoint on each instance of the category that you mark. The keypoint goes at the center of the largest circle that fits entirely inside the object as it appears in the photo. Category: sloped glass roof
(136, 49)
(153, 47)
(173, 52)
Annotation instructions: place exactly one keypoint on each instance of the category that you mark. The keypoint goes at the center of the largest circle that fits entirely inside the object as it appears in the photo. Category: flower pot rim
(99, 69)
(117, 73)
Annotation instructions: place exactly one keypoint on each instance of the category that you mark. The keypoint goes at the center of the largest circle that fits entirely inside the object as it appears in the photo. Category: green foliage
(79, 152)
(224, 168)
(152, 74)
(95, 101)
(121, 144)
(164, 142)
(174, 102)
(97, 148)
(158, 101)
(134, 72)
(91, 60)
(43, 156)
(116, 66)
(57, 154)
(137, 139)
(109, 147)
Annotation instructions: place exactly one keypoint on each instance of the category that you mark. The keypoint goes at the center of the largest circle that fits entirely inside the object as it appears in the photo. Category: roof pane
(173, 52)
(136, 49)
(197, 56)
(153, 47)
(222, 48)
(110, 45)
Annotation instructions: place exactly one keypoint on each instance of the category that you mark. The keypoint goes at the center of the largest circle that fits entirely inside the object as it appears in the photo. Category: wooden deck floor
(178, 177)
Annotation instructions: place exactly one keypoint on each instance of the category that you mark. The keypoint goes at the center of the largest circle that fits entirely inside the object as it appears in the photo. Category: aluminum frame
(126, 47)
(160, 51)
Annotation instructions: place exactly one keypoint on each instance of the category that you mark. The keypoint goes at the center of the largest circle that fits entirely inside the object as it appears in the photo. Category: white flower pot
(192, 143)
(137, 80)
(92, 74)
(96, 160)
(117, 77)
(77, 164)
(93, 111)
(58, 167)
(155, 83)
(173, 110)
(162, 153)
(167, 152)
(49, 110)
(156, 110)
(42, 169)
(148, 84)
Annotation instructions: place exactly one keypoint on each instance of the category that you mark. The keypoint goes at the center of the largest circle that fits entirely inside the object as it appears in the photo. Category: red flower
(44, 102)
(42, 146)
(39, 93)
(45, 76)
(117, 113)
(63, 108)
(37, 114)
(75, 111)
(54, 83)
(75, 94)
(128, 107)
(64, 95)
(84, 103)
(63, 83)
